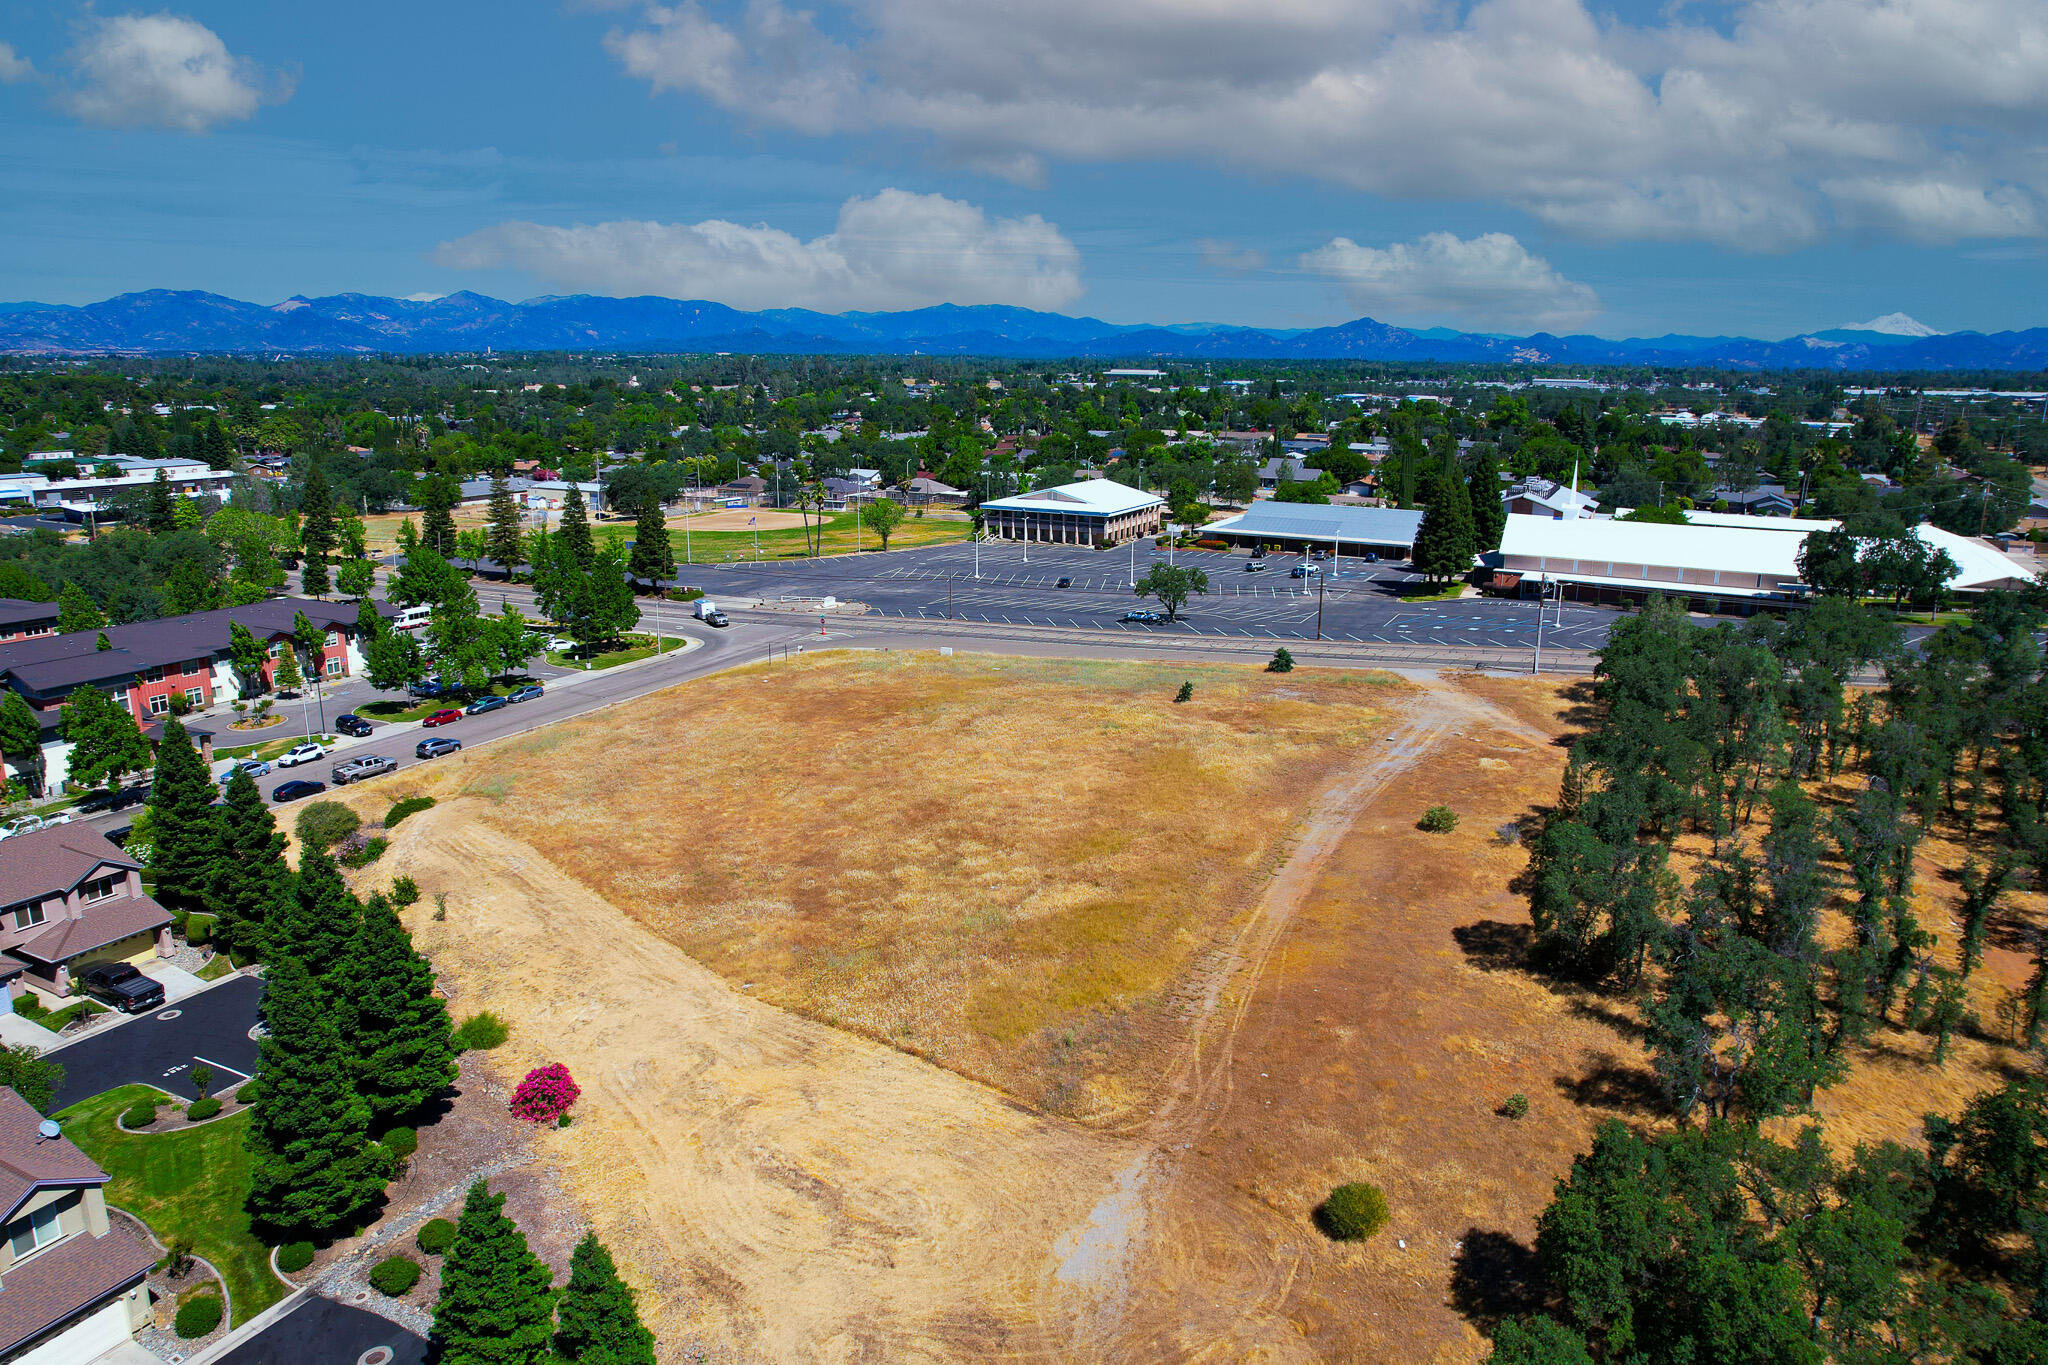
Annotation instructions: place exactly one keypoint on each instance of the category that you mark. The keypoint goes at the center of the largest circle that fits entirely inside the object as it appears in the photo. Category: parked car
(1370, 557)
(118, 837)
(29, 824)
(119, 984)
(1303, 571)
(356, 769)
(447, 716)
(528, 693)
(301, 753)
(1255, 566)
(1142, 617)
(112, 798)
(560, 643)
(297, 790)
(426, 688)
(1065, 582)
(435, 747)
(352, 724)
(483, 704)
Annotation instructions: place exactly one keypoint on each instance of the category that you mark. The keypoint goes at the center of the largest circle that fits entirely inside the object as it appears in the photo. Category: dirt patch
(777, 1187)
(740, 521)
(1017, 868)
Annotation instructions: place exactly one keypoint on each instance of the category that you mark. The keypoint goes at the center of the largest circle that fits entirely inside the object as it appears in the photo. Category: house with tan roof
(69, 898)
(72, 1281)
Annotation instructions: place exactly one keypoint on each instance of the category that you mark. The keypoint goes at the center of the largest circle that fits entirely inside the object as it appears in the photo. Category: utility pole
(1537, 667)
(1319, 608)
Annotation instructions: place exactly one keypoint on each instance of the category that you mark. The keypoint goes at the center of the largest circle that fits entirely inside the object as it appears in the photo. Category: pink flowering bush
(545, 1095)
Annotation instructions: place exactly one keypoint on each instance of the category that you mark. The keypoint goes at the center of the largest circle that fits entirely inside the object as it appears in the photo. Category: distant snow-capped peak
(1893, 324)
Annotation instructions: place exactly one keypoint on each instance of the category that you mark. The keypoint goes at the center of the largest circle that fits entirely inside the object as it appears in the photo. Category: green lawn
(838, 537)
(187, 1184)
(641, 648)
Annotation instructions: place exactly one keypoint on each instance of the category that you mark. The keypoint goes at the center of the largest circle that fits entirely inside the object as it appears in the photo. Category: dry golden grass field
(1205, 945)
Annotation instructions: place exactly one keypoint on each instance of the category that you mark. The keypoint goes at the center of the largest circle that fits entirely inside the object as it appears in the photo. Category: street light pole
(1537, 666)
(1319, 608)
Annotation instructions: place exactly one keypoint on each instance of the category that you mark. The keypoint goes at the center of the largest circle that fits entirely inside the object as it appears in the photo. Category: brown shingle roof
(78, 1273)
(29, 1161)
(100, 924)
(54, 859)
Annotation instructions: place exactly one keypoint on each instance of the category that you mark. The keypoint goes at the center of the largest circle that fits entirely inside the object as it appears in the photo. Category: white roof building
(1102, 497)
(1090, 512)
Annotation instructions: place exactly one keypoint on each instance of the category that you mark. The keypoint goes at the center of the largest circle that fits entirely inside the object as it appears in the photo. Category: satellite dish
(49, 1129)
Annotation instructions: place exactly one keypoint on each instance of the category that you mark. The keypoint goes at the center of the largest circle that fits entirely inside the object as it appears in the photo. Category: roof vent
(49, 1129)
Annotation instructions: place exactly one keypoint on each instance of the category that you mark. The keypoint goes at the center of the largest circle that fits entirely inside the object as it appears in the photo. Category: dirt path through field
(786, 1191)
(1166, 1268)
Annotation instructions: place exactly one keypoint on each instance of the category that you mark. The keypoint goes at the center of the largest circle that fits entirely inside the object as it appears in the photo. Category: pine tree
(654, 554)
(319, 920)
(316, 530)
(502, 530)
(311, 1163)
(496, 1305)
(142, 442)
(1444, 543)
(597, 1322)
(77, 611)
(1489, 513)
(438, 496)
(21, 741)
(396, 1024)
(162, 516)
(183, 820)
(289, 676)
(574, 536)
(249, 885)
(215, 448)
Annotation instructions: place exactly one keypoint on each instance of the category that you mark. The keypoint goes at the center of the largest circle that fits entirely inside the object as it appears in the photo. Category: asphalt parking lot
(210, 1029)
(1018, 585)
(319, 1331)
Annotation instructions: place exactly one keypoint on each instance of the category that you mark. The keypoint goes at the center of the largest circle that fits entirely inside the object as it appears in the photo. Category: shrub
(394, 1275)
(325, 823)
(481, 1032)
(199, 927)
(411, 805)
(202, 1109)
(247, 1093)
(401, 1142)
(360, 850)
(140, 1114)
(404, 891)
(177, 1257)
(683, 594)
(1186, 693)
(1353, 1212)
(1438, 820)
(197, 1316)
(1207, 544)
(293, 1257)
(1282, 662)
(1515, 1105)
(435, 1236)
(546, 1094)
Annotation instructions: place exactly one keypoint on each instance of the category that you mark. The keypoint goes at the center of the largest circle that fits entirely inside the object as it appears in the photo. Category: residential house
(925, 491)
(1287, 469)
(72, 1281)
(20, 620)
(70, 898)
(1765, 500)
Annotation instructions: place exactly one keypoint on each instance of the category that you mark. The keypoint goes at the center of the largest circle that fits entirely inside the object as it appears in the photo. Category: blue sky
(1761, 168)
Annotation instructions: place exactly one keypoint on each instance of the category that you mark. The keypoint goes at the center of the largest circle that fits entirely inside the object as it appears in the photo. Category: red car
(440, 718)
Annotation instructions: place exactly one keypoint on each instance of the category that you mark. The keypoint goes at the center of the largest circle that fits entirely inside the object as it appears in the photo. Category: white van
(412, 618)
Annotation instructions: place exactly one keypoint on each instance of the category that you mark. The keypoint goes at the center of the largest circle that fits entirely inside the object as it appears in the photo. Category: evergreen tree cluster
(498, 1307)
(1716, 1242)
(585, 588)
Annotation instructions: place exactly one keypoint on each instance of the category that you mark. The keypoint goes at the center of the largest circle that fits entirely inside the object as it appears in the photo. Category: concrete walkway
(177, 982)
(15, 1031)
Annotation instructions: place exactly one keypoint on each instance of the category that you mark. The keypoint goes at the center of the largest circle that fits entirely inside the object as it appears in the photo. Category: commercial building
(1092, 512)
(73, 1283)
(1717, 561)
(1297, 527)
(124, 474)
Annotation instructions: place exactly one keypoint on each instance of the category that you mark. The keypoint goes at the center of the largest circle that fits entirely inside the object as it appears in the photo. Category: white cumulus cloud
(893, 250)
(1793, 121)
(163, 71)
(13, 66)
(1490, 280)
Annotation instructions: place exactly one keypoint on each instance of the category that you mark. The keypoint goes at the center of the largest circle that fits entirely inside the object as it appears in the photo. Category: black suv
(123, 987)
(352, 724)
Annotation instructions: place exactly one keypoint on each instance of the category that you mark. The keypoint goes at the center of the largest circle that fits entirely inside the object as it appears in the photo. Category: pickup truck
(119, 984)
(356, 769)
(29, 824)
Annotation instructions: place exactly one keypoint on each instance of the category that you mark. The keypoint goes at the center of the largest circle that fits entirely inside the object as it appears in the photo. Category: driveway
(210, 1029)
(322, 1332)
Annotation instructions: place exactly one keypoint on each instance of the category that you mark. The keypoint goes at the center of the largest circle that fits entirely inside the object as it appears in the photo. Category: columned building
(1091, 512)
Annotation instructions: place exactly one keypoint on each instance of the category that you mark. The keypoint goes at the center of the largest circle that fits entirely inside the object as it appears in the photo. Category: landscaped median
(188, 1183)
(632, 650)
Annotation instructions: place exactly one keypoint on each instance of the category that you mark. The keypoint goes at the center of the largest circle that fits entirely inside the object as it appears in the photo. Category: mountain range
(169, 322)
